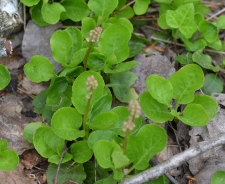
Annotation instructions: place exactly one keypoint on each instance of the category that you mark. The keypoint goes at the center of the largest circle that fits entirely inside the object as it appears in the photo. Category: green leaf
(160, 89)
(35, 12)
(9, 160)
(212, 84)
(220, 22)
(88, 24)
(194, 115)
(217, 45)
(29, 130)
(205, 61)
(96, 61)
(77, 38)
(51, 12)
(123, 114)
(194, 46)
(39, 69)
(182, 19)
(81, 151)
(208, 103)
(140, 6)
(103, 104)
(115, 44)
(68, 171)
(3, 145)
(55, 159)
(103, 8)
(164, 1)
(123, 21)
(118, 158)
(47, 143)
(121, 67)
(150, 140)
(201, 9)
(108, 180)
(66, 123)
(121, 86)
(208, 30)
(104, 121)
(79, 99)
(78, 57)
(153, 109)
(4, 77)
(184, 59)
(61, 44)
(30, 2)
(102, 135)
(127, 12)
(185, 82)
(218, 177)
(162, 22)
(76, 10)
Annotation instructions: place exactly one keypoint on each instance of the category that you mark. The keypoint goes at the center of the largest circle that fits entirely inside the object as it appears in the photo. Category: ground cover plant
(84, 138)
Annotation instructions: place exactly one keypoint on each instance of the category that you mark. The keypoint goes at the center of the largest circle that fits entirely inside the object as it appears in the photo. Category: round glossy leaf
(96, 61)
(81, 151)
(160, 89)
(150, 140)
(104, 121)
(79, 90)
(102, 8)
(212, 84)
(9, 160)
(61, 43)
(29, 130)
(185, 82)
(4, 77)
(127, 12)
(141, 6)
(76, 10)
(114, 43)
(39, 69)
(88, 24)
(103, 135)
(47, 143)
(66, 123)
(121, 67)
(154, 110)
(35, 12)
(51, 12)
(218, 177)
(56, 158)
(208, 103)
(194, 115)
(30, 2)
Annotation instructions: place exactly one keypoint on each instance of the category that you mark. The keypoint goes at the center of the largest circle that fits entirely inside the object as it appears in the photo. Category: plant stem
(128, 4)
(85, 115)
(125, 142)
(87, 55)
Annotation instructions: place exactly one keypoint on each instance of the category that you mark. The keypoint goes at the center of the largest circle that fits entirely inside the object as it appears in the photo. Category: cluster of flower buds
(95, 35)
(135, 112)
(91, 85)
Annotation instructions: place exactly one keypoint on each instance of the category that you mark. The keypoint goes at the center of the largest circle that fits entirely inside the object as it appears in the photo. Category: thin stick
(128, 4)
(175, 161)
(58, 168)
(154, 162)
(182, 45)
(24, 17)
(221, 11)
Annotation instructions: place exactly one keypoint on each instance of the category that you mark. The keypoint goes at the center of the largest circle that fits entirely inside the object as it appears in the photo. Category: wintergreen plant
(115, 137)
